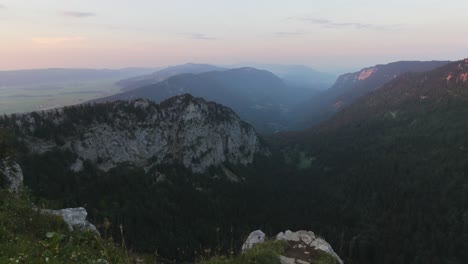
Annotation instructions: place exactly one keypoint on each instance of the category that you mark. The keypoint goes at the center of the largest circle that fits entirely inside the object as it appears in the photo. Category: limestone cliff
(183, 129)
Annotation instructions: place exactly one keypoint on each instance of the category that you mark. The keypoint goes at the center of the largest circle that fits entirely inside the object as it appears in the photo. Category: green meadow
(43, 96)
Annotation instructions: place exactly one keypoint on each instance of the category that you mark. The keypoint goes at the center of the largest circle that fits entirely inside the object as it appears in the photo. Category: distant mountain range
(163, 74)
(293, 75)
(285, 98)
(263, 99)
(267, 101)
(257, 96)
(299, 75)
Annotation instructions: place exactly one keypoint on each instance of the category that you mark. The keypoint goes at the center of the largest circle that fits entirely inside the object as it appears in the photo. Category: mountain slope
(394, 164)
(161, 75)
(349, 87)
(259, 97)
(409, 95)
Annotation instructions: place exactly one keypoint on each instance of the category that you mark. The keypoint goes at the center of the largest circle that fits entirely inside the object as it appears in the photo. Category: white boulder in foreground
(303, 246)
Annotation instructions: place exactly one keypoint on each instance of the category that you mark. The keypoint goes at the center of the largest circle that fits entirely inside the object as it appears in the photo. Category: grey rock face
(75, 218)
(12, 174)
(255, 237)
(183, 129)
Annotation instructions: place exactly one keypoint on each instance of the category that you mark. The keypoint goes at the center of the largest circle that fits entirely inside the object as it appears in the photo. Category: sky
(331, 35)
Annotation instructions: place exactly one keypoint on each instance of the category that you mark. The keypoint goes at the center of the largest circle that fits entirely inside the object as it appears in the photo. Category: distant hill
(352, 86)
(163, 74)
(257, 96)
(300, 75)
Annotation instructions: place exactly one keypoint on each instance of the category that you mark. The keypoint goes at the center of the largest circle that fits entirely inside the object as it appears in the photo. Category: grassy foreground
(27, 236)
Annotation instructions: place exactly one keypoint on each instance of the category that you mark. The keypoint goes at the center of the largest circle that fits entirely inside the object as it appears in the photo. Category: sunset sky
(332, 35)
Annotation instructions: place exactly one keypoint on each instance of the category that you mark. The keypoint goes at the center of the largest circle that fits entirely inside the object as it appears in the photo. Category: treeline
(168, 210)
(69, 120)
(398, 186)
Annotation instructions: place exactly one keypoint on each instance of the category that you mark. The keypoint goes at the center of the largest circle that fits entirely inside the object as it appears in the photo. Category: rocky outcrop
(11, 174)
(75, 218)
(254, 238)
(183, 129)
(303, 247)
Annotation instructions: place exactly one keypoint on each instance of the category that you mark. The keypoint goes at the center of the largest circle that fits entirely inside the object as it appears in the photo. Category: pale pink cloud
(77, 14)
(200, 36)
(327, 23)
(56, 40)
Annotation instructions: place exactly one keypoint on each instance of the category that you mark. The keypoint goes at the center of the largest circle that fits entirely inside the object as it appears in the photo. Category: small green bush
(325, 258)
(265, 253)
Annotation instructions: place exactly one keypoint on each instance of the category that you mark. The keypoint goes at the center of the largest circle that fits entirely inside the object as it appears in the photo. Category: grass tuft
(265, 253)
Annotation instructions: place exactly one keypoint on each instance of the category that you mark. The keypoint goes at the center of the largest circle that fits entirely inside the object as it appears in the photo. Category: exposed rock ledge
(301, 246)
(255, 237)
(75, 218)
